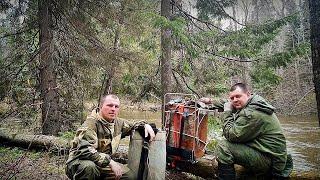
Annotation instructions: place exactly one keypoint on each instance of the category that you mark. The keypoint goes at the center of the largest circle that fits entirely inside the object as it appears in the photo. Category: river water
(302, 133)
(303, 142)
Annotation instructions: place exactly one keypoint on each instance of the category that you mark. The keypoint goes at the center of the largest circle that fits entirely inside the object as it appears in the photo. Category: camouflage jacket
(97, 139)
(257, 126)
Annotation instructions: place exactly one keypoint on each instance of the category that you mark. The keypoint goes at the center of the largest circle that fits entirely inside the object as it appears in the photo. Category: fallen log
(53, 144)
(206, 167)
(49, 143)
(203, 168)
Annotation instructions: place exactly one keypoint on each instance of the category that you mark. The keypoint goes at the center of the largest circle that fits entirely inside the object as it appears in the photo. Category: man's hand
(116, 169)
(149, 131)
(227, 106)
(205, 100)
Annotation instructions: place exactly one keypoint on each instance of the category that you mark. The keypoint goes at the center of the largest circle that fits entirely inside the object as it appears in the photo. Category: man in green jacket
(253, 136)
(97, 139)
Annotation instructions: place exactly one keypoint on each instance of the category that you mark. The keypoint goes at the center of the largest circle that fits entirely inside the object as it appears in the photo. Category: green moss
(34, 155)
(35, 165)
(54, 169)
(214, 130)
(212, 145)
(68, 135)
(15, 153)
(214, 123)
(10, 153)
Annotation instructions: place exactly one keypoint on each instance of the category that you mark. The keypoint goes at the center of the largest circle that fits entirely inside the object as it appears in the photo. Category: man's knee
(241, 154)
(83, 169)
(223, 152)
(89, 167)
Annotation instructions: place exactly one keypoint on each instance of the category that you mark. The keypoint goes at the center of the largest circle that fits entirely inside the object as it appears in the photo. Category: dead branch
(52, 143)
(185, 82)
(207, 23)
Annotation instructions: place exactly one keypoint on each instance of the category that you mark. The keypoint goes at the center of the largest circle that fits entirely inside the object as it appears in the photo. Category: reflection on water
(303, 142)
(137, 115)
(302, 133)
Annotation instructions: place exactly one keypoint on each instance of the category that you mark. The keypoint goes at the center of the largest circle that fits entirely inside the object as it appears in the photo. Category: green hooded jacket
(97, 139)
(257, 126)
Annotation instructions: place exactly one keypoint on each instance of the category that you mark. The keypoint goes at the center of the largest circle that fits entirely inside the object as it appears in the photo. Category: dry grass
(16, 163)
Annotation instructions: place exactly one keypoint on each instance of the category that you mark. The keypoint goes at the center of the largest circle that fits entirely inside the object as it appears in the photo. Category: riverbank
(302, 132)
(18, 163)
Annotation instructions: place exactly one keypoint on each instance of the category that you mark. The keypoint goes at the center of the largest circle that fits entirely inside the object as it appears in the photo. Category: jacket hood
(260, 104)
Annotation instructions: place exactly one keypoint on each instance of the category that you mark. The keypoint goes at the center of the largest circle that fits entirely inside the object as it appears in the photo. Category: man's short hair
(242, 86)
(103, 98)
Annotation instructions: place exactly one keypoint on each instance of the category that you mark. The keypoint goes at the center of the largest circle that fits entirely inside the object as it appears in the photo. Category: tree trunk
(255, 12)
(116, 44)
(54, 144)
(314, 6)
(166, 66)
(113, 65)
(291, 8)
(246, 7)
(234, 15)
(50, 114)
(115, 61)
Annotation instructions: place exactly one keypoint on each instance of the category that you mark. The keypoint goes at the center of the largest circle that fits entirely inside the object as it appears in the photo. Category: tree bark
(116, 44)
(255, 12)
(314, 6)
(54, 144)
(207, 168)
(113, 65)
(246, 7)
(49, 92)
(234, 15)
(51, 143)
(165, 62)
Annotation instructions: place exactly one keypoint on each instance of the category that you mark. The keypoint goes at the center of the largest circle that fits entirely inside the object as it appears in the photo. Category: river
(303, 142)
(302, 133)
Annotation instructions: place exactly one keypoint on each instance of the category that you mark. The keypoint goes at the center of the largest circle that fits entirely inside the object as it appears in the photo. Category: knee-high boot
(226, 171)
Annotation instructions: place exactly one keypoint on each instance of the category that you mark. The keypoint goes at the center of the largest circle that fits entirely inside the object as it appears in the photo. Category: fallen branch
(206, 167)
(50, 143)
(56, 145)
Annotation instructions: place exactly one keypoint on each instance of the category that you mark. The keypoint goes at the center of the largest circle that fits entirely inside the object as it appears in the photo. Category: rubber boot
(226, 172)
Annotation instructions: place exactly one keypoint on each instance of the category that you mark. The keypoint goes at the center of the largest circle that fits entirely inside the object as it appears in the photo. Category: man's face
(110, 108)
(239, 98)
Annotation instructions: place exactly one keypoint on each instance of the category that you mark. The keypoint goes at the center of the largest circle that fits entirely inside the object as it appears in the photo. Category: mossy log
(50, 143)
(56, 145)
(205, 167)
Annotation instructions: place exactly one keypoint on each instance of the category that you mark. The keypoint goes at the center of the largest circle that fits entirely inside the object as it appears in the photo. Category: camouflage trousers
(241, 154)
(86, 169)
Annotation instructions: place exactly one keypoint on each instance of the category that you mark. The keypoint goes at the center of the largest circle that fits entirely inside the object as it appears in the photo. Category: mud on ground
(17, 163)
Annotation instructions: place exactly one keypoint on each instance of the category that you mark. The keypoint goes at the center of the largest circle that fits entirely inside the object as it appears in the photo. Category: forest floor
(17, 163)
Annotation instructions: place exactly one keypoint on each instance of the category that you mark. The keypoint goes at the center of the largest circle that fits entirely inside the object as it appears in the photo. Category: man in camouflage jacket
(97, 139)
(253, 136)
